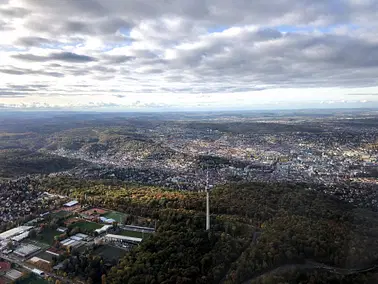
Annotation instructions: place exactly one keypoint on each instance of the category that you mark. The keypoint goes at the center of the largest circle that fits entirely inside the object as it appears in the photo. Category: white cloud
(152, 54)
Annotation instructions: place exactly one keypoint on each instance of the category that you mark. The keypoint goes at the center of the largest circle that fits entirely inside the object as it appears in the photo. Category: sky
(180, 54)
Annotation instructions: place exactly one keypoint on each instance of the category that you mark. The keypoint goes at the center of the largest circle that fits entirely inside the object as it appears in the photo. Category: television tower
(207, 202)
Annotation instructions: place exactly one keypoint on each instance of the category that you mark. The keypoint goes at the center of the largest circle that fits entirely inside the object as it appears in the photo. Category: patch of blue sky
(9, 48)
(59, 45)
(124, 31)
(217, 29)
(322, 29)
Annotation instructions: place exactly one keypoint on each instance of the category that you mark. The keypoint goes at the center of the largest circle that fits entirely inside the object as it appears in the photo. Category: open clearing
(110, 253)
(47, 236)
(61, 214)
(89, 226)
(118, 216)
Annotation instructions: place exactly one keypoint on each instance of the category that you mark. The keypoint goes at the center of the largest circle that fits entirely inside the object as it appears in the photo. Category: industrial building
(74, 241)
(62, 229)
(71, 203)
(20, 237)
(122, 239)
(38, 272)
(103, 229)
(139, 228)
(26, 250)
(84, 237)
(7, 235)
(13, 274)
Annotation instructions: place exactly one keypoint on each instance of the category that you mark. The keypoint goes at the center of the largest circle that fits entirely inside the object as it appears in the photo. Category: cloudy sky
(181, 54)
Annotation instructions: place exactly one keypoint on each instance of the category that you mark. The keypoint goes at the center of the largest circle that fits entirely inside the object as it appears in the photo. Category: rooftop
(71, 203)
(14, 232)
(13, 274)
(5, 266)
(125, 238)
(25, 250)
(20, 237)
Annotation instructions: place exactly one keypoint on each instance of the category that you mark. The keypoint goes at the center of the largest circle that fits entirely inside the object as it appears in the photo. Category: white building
(26, 250)
(120, 238)
(13, 274)
(103, 229)
(21, 237)
(7, 235)
(38, 272)
(71, 203)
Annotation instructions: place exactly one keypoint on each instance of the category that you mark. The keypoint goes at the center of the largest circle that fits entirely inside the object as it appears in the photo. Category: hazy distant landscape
(294, 192)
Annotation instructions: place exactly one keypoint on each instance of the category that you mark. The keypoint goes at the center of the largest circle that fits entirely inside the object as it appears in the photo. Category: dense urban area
(120, 198)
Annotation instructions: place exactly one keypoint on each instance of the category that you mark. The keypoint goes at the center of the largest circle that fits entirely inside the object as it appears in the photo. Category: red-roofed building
(4, 267)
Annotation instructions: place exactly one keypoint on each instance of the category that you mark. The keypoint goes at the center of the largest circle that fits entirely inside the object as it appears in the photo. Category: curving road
(310, 264)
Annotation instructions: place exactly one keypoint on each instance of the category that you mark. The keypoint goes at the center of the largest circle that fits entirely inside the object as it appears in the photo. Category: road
(310, 264)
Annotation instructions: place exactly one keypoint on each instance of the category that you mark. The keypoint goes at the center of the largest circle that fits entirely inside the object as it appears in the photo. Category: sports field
(88, 226)
(61, 214)
(110, 253)
(47, 236)
(118, 216)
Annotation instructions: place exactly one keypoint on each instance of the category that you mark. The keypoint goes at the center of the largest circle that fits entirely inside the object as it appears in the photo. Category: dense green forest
(256, 228)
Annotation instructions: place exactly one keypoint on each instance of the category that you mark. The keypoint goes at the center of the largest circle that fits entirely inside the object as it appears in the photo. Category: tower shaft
(207, 210)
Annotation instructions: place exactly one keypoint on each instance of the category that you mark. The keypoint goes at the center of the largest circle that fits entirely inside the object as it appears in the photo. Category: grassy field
(33, 279)
(110, 253)
(118, 216)
(90, 226)
(61, 214)
(48, 236)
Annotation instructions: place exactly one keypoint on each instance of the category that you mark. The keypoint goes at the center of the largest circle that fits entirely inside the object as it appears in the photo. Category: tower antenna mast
(207, 202)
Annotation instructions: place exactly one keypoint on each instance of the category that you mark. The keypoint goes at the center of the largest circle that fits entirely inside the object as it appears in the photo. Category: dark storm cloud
(57, 56)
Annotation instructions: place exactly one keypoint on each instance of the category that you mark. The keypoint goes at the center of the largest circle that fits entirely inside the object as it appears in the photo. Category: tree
(10, 245)
(32, 233)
